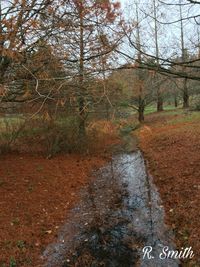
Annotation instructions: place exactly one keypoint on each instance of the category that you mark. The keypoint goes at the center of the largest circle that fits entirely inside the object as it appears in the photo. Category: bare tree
(168, 63)
(85, 34)
(184, 58)
(158, 89)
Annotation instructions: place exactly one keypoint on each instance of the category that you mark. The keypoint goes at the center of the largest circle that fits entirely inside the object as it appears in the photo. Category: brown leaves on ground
(172, 150)
(36, 194)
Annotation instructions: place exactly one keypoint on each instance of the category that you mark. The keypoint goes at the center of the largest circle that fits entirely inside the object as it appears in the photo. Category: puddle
(120, 212)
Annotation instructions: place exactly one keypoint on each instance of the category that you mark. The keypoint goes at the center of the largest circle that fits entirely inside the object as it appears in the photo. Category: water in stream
(120, 212)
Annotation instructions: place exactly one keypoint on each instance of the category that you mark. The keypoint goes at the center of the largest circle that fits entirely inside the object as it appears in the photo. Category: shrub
(197, 106)
(53, 136)
(196, 103)
(9, 132)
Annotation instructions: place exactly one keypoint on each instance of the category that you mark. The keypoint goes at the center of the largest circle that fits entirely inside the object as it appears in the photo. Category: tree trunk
(141, 110)
(159, 94)
(175, 102)
(81, 99)
(81, 127)
(141, 114)
(185, 95)
(184, 57)
(159, 102)
(107, 111)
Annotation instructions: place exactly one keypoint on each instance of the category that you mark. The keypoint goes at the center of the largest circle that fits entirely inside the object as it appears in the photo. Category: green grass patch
(190, 116)
(152, 108)
(10, 120)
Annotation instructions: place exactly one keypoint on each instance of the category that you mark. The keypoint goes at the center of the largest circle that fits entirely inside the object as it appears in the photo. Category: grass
(11, 119)
(152, 108)
(179, 117)
(192, 116)
(11, 128)
(66, 127)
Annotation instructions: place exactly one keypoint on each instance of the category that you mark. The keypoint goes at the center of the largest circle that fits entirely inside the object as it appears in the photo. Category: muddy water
(120, 212)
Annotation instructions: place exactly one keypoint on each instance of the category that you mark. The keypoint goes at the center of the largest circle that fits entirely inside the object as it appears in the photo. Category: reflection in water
(119, 214)
(144, 208)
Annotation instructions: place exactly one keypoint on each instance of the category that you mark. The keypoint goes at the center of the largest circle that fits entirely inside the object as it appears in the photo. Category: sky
(169, 34)
(123, 2)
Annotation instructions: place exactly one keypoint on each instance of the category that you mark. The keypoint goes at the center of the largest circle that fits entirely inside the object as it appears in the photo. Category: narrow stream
(119, 214)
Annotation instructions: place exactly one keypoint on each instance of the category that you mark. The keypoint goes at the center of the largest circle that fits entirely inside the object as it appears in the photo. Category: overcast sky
(169, 34)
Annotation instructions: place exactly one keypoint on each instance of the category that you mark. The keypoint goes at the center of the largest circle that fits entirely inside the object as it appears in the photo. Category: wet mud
(119, 214)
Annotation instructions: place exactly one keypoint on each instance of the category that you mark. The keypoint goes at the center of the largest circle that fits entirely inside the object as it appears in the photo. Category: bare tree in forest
(183, 58)
(136, 80)
(141, 101)
(158, 88)
(84, 35)
(167, 56)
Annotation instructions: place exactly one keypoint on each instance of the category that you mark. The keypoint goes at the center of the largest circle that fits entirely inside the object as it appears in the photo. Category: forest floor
(36, 195)
(170, 142)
